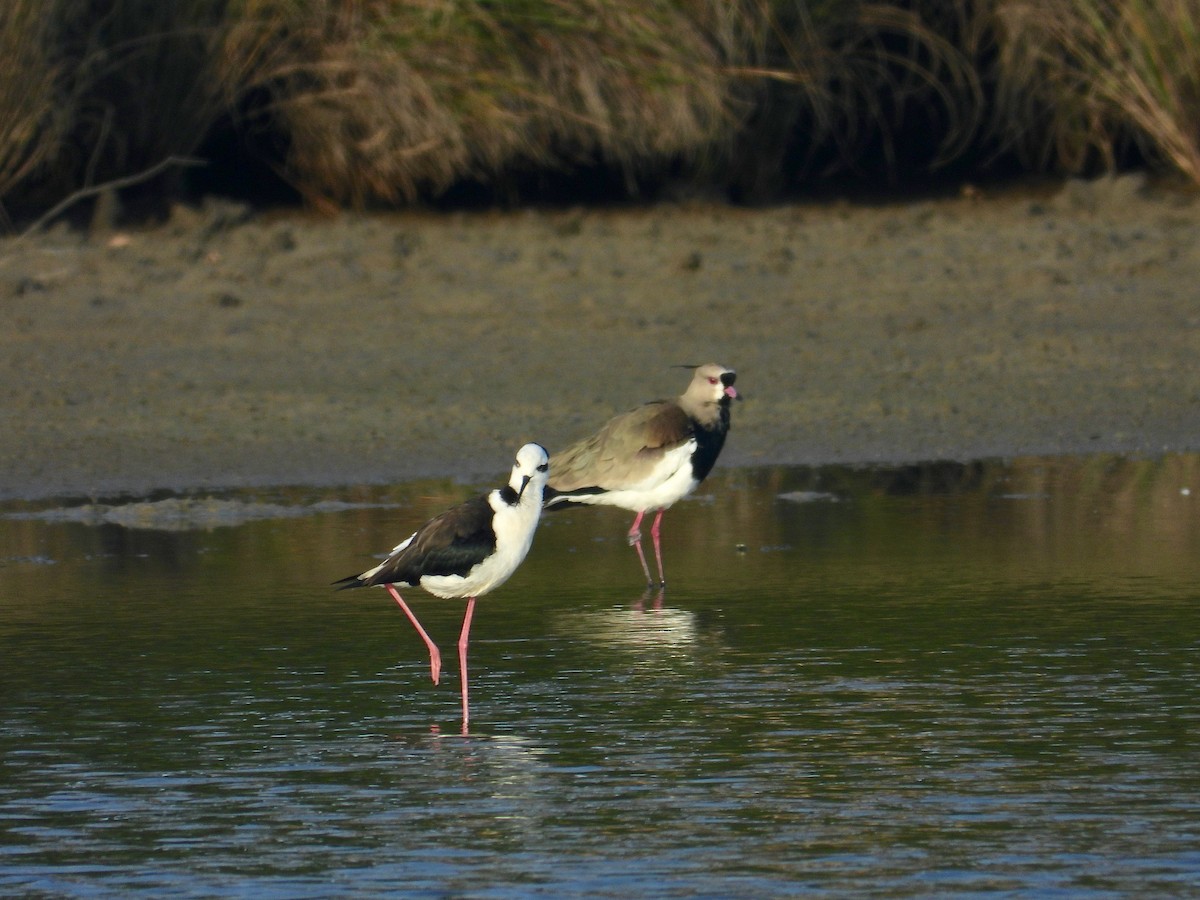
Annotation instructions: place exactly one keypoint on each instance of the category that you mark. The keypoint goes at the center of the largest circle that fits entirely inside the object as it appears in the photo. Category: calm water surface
(945, 679)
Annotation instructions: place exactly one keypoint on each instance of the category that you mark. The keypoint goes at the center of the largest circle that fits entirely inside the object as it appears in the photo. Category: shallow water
(949, 678)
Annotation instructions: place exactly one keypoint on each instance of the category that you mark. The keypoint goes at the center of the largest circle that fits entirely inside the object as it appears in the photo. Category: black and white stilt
(467, 551)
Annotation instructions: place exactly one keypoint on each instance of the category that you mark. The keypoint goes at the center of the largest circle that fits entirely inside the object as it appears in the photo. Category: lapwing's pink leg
(635, 540)
(463, 637)
(654, 529)
(652, 595)
(642, 560)
(435, 658)
(635, 536)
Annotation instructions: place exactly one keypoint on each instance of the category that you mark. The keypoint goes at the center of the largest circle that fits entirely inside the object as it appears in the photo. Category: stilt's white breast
(514, 526)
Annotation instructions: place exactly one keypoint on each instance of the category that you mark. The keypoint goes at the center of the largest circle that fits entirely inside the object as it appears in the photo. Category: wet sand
(226, 348)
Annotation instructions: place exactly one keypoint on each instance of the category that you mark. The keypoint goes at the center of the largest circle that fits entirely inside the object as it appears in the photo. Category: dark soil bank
(226, 349)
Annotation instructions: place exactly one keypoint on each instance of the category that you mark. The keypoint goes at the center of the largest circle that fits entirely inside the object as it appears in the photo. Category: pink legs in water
(654, 529)
(463, 636)
(435, 657)
(635, 538)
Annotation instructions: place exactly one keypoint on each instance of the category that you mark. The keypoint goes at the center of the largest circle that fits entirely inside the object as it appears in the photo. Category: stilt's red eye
(712, 381)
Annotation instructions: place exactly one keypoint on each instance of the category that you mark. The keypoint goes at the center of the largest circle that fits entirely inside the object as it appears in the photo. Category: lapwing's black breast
(709, 441)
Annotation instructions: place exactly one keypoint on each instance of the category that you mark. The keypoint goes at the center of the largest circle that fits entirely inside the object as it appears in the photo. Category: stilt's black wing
(449, 544)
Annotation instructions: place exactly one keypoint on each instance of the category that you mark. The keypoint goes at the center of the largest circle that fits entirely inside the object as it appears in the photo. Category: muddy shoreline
(226, 348)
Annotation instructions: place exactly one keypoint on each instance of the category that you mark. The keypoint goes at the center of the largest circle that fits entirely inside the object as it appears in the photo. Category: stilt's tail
(554, 499)
(350, 581)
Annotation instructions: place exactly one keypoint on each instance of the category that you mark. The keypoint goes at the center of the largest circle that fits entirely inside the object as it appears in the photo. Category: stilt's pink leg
(435, 658)
(463, 637)
(662, 579)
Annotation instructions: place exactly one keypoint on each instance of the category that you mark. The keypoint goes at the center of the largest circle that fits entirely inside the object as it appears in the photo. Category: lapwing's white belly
(669, 481)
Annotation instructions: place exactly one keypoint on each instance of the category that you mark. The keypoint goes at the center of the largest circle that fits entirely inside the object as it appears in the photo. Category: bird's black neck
(709, 441)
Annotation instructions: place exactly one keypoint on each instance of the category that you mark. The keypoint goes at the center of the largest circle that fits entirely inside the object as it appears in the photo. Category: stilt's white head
(530, 471)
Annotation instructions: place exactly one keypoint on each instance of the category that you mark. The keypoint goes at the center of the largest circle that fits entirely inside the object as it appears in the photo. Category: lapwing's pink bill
(647, 459)
(467, 551)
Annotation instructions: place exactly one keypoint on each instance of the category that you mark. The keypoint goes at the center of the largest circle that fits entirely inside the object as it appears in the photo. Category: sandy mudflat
(225, 349)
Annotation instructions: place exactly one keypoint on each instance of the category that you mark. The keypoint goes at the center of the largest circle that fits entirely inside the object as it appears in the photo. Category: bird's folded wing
(622, 453)
(449, 544)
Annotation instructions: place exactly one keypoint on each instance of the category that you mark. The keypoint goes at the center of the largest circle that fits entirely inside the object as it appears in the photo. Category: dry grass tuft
(96, 91)
(34, 118)
(1081, 77)
(360, 102)
(837, 80)
(146, 82)
(391, 100)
